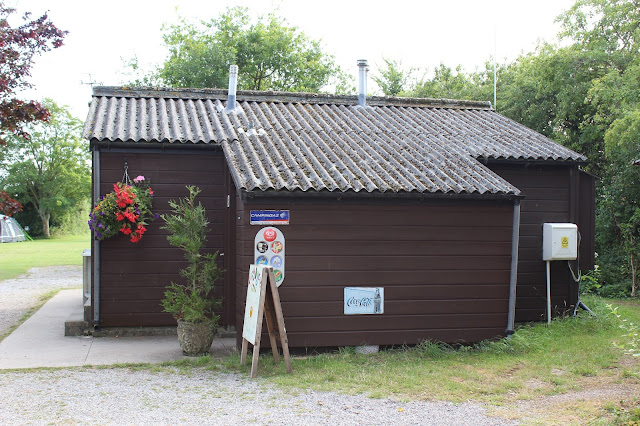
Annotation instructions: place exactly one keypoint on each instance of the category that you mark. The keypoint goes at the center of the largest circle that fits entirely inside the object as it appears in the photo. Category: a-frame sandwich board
(263, 300)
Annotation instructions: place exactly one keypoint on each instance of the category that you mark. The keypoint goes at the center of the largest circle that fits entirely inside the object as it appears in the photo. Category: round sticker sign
(270, 234)
(269, 249)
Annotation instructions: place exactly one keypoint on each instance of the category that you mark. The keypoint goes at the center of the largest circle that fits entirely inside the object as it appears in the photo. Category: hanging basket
(126, 210)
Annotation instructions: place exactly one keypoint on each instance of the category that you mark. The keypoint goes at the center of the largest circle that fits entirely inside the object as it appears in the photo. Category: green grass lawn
(17, 258)
(539, 362)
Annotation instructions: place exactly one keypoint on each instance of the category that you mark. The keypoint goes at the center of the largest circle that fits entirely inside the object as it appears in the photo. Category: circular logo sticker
(262, 246)
(276, 247)
(262, 260)
(278, 275)
(269, 234)
(276, 261)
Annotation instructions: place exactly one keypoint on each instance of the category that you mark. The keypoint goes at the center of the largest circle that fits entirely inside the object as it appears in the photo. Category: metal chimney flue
(363, 67)
(233, 86)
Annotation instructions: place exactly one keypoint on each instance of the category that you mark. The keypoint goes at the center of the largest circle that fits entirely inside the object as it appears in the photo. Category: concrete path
(40, 342)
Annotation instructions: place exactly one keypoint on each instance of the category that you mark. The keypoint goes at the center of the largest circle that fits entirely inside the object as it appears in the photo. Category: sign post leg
(284, 341)
(243, 352)
(268, 311)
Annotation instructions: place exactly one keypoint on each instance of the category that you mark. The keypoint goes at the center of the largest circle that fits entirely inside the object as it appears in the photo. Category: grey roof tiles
(309, 142)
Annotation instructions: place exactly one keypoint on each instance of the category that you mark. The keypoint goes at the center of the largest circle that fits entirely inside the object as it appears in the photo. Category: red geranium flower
(126, 210)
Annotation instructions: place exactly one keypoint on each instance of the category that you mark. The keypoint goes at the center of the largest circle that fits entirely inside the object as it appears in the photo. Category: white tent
(10, 230)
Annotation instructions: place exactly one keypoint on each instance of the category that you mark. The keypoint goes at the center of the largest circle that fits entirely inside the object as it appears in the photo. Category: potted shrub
(191, 302)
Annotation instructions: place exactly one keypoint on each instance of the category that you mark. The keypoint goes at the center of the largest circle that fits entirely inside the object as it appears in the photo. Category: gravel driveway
(123, 396)
(195, 396)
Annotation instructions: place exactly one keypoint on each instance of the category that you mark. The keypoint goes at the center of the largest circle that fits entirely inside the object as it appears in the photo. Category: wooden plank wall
(134, 276)
(444, 266)
(549, 193)
(587, 220)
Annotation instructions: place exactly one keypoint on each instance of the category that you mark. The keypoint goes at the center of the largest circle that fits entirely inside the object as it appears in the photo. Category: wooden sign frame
(269, 308)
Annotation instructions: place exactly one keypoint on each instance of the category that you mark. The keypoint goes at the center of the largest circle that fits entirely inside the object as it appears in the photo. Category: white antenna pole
(495, 74)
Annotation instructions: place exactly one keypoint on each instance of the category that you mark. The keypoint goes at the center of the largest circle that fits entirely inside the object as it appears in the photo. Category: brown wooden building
(430, 199)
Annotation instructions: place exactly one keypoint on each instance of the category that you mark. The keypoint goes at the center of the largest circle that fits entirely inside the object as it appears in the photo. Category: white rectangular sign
(253, 303)
(363, 300)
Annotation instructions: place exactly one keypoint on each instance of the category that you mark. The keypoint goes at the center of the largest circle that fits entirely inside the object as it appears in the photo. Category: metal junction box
(559, 241)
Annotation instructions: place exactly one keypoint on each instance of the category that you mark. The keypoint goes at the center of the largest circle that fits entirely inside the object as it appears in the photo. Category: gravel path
(18, 295)
(123, 396)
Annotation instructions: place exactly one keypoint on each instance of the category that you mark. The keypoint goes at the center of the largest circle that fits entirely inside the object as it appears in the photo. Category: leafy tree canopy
(608, 26)
(270, 54)
(18, 46)
(392, 79)
(49, 171)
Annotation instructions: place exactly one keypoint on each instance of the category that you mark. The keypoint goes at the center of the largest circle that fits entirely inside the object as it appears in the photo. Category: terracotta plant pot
(195, 338)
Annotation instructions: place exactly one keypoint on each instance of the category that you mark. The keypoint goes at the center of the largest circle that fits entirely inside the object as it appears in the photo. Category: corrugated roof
(310, 142)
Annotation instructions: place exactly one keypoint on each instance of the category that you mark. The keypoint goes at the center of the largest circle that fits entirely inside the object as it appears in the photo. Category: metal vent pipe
(362, 81)
(233, 86)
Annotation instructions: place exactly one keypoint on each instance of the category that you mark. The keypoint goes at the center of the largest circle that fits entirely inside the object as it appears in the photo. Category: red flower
(132, 217)
(128, 206)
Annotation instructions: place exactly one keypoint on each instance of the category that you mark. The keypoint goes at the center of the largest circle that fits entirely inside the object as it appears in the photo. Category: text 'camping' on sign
(269, 217)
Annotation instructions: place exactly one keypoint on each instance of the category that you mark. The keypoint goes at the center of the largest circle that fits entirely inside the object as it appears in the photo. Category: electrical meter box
(559, 241)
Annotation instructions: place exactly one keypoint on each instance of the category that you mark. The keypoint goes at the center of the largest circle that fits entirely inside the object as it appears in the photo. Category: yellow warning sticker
(564, 242)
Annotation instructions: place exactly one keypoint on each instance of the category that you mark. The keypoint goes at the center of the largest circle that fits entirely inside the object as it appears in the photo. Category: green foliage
(630, 336)
(72, 221)
(452, 84)
(392, 79)
(49, 171)
(187, 226)
(590, 281)
(619, 203)
(608, 26)
(270, 54)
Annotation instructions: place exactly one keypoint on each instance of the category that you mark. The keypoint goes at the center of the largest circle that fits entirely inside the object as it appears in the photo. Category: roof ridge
(284, 97)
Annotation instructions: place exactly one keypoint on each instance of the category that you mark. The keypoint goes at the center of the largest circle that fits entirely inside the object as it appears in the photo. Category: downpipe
(96, 243)
(513, 279)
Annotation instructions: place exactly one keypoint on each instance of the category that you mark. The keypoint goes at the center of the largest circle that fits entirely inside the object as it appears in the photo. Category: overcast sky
(421, 34)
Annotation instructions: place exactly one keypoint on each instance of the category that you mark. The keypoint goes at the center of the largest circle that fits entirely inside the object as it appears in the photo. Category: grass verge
(569, 372)
(17, 258)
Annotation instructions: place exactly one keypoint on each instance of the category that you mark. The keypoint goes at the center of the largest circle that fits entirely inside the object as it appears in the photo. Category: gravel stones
(197, 396)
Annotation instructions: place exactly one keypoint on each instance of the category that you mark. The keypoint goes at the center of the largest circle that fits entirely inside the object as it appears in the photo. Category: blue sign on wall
(269, 217)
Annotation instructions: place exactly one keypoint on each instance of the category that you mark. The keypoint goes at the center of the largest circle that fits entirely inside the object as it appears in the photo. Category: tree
(18, 46)
(619, 207)
(270, 55)
(392, 79)
(455, 83)
(611, 27)
(548, 91)
(50, 170)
